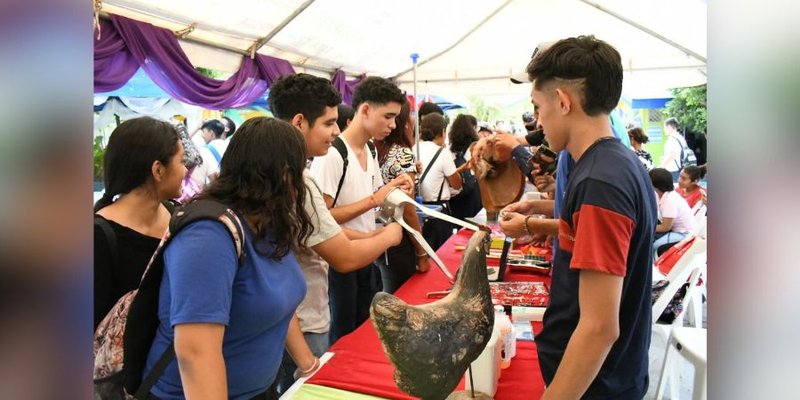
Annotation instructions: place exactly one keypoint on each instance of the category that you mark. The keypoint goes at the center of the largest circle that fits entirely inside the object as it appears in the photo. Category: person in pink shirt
(677, 218)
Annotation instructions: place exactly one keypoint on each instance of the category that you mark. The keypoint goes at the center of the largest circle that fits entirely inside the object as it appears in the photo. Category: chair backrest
(700, 223)
(691, 265)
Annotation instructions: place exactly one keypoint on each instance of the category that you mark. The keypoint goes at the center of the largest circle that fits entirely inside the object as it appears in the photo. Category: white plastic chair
(691, 344)
(690, 267)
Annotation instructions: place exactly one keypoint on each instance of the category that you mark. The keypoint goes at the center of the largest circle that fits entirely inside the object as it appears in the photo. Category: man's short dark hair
(662, 179)
(345, 113)
(429, 107)
(378, 91)
(671, 121)
(304, 94)
(214, 126)
(593, 65)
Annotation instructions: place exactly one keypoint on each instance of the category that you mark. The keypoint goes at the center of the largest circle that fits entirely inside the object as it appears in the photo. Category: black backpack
(469, 182)
(339, 145)
(122, 340)
(687, 156)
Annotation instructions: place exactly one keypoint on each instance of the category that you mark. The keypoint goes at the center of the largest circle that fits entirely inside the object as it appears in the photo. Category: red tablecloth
(360, 365)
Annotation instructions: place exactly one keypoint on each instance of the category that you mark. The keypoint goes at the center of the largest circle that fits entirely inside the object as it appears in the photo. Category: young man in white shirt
(310, 103)
(671, 160)
(205, 173)
(376, 102)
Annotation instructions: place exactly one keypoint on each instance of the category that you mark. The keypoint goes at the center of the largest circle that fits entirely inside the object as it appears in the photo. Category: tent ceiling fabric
(377, 38)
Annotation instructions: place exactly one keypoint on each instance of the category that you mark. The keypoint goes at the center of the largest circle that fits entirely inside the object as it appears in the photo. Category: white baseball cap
(522, 77)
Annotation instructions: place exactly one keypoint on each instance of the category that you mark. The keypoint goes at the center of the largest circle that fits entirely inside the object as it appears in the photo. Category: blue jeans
(317, 342)
(669, 237)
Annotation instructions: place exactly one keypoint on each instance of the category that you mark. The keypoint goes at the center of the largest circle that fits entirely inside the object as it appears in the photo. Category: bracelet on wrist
(310, 369)
(423, 254)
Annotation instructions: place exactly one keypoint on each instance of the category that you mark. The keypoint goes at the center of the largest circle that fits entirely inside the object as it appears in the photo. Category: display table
(359, 364)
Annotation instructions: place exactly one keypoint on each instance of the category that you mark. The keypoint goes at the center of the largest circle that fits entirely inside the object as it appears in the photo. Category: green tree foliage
(210, 73)
(99, 152)
(481, 110)
(689, 107)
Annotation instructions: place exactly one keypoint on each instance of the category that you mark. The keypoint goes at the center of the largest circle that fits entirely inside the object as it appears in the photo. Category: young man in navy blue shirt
(597, 328)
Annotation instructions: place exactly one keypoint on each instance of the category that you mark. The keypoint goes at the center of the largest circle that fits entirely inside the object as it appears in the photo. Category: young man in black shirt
(596, 331)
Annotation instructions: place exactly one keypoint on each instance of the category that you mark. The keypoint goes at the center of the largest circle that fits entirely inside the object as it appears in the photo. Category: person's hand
(538, 240)
(403, 182)
(423, 263)
(302, 373)
(513, 224)
(418, 165)
(522, 207)
(395, 232)
(504, 143)
(545, 183)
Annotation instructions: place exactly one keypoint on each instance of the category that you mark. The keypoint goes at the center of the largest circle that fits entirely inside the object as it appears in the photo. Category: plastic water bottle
(507, 336)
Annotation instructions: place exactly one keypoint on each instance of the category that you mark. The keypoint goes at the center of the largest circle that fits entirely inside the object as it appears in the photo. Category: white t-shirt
(674, 144)
(313, 312)
(220, 145)
(673, 205)
(209, 167)
(358, 183)
(443, 167)
(198, 140)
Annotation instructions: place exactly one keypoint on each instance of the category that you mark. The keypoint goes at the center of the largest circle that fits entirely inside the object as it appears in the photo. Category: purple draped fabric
(113, 63)
(345, 87)
(127, 44)
(273, 68)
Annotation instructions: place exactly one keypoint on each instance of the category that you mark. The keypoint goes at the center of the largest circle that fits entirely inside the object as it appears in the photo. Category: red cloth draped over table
(359, 364)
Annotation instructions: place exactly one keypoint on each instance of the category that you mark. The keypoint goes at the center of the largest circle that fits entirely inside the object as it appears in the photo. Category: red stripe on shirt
(602, 239)
(566, 237)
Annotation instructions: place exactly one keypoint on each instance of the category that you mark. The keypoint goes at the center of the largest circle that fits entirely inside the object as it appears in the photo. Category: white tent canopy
(465, 46)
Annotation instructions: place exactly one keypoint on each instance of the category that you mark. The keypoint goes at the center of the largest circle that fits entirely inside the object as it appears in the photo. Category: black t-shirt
(606, 224)
(112, 281)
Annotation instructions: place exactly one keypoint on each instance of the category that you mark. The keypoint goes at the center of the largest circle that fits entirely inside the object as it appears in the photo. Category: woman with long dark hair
(143, 169)
(228, 320)
(463, 133)
(396, 158)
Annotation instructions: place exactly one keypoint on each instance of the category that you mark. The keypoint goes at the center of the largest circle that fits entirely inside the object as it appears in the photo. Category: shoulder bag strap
(338, 143)
(150, 380)
(427, 169)
(214, 152)
(439, 197)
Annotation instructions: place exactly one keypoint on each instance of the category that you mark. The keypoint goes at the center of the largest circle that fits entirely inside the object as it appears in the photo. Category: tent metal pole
(646, 30)
(466, 35)
(261, 42)
(414, 58)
